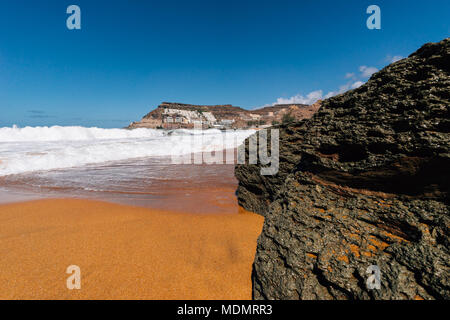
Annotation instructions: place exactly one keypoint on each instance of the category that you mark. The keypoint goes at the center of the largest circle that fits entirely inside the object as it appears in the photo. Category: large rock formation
(183, 115)
(364, 182)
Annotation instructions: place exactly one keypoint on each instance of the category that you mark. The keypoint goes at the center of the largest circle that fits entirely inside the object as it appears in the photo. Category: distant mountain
(170, 115)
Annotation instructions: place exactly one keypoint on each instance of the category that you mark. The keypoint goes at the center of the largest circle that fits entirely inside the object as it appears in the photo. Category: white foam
(57, 133)
(46, 148)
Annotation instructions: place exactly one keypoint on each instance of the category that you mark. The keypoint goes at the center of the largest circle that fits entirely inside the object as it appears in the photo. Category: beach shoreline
(124, 252)
(154, 183)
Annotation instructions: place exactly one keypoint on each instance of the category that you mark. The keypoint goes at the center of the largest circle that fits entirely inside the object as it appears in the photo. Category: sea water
(113, 164)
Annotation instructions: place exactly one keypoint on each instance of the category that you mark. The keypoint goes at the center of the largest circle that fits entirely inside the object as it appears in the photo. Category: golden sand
(124, 252)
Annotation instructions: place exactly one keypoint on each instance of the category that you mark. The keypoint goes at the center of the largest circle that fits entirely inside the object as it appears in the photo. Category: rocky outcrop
(185, 115)
(364, 182)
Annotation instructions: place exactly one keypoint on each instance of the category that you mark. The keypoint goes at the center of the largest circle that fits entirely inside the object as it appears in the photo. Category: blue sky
(130, 55)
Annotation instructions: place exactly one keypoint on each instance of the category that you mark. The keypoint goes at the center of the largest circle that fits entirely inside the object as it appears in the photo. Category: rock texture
(364, 182)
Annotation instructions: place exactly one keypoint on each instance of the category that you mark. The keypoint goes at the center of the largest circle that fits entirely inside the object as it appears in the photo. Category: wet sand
(124, 252)
(151, 183)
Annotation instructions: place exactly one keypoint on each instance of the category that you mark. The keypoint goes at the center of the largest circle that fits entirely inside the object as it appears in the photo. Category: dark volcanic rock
(364, 182)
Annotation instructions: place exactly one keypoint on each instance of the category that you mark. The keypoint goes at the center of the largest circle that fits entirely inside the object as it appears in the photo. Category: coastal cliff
(364, 182)
(170, 115)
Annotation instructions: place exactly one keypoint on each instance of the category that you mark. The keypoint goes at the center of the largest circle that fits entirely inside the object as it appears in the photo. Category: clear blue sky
(130, 55)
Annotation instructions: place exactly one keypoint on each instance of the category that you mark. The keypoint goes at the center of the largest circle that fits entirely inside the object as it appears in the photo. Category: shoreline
(124, 252)
(153, 183)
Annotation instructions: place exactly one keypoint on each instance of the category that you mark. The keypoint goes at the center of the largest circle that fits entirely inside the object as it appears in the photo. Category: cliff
(364, 182)
(170, 115)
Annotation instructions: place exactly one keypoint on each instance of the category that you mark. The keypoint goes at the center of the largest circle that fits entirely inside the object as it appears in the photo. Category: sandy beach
(124, 252)
(138, 229)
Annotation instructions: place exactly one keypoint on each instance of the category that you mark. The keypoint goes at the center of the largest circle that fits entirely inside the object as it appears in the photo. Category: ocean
(126, 166)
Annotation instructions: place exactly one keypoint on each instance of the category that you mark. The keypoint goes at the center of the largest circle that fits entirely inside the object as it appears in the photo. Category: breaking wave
(47, 148)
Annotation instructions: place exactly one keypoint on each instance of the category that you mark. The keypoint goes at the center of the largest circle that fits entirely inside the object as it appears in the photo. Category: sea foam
(58, 133)
(47, 148)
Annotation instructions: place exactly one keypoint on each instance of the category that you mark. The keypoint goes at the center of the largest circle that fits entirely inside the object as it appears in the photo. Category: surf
(32, 149)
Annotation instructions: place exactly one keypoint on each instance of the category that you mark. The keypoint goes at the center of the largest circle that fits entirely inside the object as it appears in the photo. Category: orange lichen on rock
(354, 249)
(311, 255)
(354, 235)
(378, 243)
(395, 237)
(367, 254)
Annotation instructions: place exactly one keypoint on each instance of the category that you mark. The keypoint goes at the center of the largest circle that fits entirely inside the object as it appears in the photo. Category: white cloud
(392, 59)
(310, 98)
(357, 84)
(366, 72)
(331, 94)
(355, 80)
(395, 59)
(342, 89)
(349, 75)
(313, 96)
